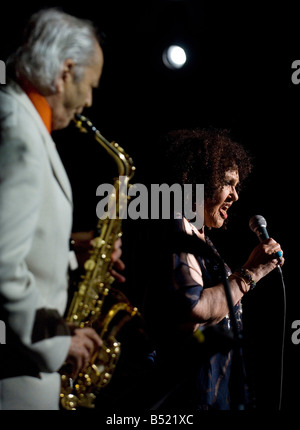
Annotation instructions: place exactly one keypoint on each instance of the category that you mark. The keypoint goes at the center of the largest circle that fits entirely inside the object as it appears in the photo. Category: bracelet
(234, 275)
(246, 275)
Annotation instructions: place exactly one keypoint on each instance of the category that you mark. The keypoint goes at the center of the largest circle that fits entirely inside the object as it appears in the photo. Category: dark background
(238, 76)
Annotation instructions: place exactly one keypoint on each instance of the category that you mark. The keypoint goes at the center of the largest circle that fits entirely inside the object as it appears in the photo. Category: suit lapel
(57, 166)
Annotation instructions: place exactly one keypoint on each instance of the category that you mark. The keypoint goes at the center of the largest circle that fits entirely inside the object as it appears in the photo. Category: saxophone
(96, 303)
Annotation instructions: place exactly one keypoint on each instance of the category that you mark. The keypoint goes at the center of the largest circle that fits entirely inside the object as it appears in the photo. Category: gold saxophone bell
(96, 303)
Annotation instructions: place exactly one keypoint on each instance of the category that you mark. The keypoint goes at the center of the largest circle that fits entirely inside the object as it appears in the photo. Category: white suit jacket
(35, 227)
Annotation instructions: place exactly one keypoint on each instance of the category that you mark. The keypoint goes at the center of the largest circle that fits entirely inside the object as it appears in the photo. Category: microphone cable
(283, 336)
(258, 225)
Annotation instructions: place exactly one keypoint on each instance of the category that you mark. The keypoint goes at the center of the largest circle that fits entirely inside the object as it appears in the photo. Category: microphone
(258, 225)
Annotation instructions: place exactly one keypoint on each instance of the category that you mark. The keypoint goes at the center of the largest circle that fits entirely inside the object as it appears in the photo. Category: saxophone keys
(96, 311)
(110, 279)
(98, 242)
(116, 346)
(107, 377)
(98, 369)
(89, 264)
(69, 402)
(82, 290)
(134, 311)
(88, 380)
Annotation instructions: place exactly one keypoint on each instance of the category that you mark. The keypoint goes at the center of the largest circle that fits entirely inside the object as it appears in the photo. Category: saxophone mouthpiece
(79, 119)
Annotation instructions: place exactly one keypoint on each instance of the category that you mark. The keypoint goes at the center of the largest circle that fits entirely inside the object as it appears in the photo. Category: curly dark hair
(202, 156)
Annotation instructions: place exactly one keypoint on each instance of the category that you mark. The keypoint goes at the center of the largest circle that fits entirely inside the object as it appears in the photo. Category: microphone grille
(257, 221)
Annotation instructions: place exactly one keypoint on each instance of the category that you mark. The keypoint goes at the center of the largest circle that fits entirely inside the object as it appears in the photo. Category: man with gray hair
(51, 78)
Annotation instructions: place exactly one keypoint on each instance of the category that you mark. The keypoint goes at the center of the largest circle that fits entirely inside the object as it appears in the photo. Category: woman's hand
(263, 259)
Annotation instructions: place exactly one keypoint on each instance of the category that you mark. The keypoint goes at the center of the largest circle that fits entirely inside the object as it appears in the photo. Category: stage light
(174, 57)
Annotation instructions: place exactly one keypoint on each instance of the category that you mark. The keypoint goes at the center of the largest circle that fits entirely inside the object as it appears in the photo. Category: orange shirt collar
(41, 105)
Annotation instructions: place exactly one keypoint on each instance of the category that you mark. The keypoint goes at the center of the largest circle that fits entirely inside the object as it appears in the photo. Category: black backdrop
(238, 77)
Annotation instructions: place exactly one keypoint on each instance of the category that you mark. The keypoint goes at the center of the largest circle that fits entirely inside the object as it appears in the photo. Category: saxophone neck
(123, 160)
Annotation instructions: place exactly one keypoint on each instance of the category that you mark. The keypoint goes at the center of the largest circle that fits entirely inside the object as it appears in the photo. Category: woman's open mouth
(223, 211)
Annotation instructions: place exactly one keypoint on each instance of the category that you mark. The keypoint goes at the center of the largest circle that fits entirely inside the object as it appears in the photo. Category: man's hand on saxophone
(82, 242)
(84, 342)
(119, 264)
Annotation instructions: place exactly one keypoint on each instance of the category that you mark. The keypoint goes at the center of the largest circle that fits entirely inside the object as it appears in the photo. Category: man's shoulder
(11, 90)
(13, 106)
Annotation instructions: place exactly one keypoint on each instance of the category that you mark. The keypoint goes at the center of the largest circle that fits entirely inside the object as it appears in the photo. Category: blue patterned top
(207, 386)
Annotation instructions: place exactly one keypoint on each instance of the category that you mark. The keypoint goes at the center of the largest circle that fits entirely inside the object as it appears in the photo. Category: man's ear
(66, 74)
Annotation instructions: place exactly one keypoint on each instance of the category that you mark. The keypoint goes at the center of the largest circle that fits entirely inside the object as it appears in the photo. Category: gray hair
(51, 37)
